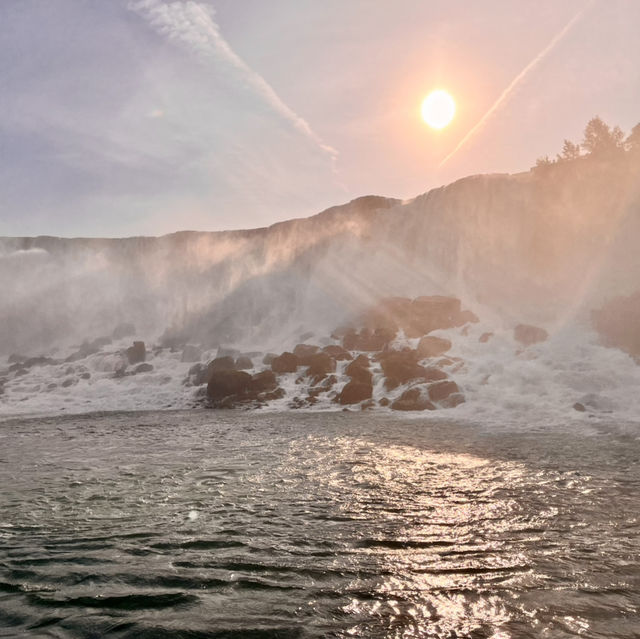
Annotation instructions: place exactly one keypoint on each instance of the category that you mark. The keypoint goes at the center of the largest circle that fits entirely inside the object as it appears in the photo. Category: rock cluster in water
(365, 365)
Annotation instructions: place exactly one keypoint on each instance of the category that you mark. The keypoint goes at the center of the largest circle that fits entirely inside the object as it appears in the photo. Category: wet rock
(120, 369)
(358, 370)
(581, 408)
(355, 392)
(197, 375)
(263, 382)
(304, 353)
(485, 337)
(368, 340)
(618, 323)
(368, 404)
(225, 363)
(142, 368)
(431, 346)
(136, 353)
(268, 358)
(527, 334)
(191, 353)
(126, 329)
(227, 383)
(224, 351)
(441, 390)
(14, 358)
(85, 375)
(320, 364)
(243, 363)
(70, 381)
(414, 399)
(402, 367)
(337, 352)
(285, 363)
(385, 401)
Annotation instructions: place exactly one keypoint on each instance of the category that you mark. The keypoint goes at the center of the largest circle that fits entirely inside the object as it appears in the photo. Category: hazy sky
(150, 116)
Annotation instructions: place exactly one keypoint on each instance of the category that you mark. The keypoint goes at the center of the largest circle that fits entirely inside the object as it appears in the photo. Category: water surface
(212, 524)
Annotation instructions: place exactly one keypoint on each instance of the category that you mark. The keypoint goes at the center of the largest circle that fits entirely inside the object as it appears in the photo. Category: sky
(145, 117)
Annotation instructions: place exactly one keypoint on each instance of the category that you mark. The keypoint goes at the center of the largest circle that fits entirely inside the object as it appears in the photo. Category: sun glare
(438, 109)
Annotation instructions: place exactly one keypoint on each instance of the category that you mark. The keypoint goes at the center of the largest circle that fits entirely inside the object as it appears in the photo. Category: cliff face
(533, 247)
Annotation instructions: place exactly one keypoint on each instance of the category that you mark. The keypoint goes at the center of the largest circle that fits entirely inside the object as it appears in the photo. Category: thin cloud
(194, 25)
(518, 79)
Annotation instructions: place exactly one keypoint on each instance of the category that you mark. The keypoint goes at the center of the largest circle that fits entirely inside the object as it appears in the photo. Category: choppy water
(202, 524)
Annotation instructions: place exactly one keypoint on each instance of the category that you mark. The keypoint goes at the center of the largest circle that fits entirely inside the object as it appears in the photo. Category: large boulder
(431, 346)
(368, 340)
(320, 364)
(136, 353)
(439, 391)
(618, 323)
(285, 363)
(355, 392)
(227, 383)
(337, 352)
(358, 370)
(402, 366)
(413, 399)
(224, 363)
(263, 381)
(304, 353)
(243, 363)
(527, 334)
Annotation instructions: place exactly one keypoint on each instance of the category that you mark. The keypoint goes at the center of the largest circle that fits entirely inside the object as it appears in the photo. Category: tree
(600, 140)
(570, 151)
(632, 143)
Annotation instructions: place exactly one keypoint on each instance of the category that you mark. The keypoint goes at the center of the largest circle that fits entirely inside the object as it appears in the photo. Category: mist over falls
(525, 247)
(523, 269)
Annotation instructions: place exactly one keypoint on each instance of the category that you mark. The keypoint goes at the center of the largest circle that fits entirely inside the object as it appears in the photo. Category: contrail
(518, 79)
(190, 23)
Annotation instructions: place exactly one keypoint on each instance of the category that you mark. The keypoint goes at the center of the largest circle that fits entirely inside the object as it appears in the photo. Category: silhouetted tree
(600, 140)
(632, 143)
(570, 151)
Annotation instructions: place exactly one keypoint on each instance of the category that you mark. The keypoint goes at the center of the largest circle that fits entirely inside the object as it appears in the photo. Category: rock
(86, 375)
(198, 374)
(402, 366)
(244, 363)
(304, 352)
(441, 390)
(126, 329)
(485, 337)
(225, 363)
(355, 392)
(285, 363)
(268, 358)
(136, 353)
(264, 381)
(466, 317)
(70, 381)
(39, 361)
(14, 358)
(527, 334)
(120, 369)
(455, 399)
(227, 383)
(618, 323)
(579, 407)
(412, 400)
(359, 371)
(142, 368)
(320, 364)
(337, 352)
(224, 351)
(385, 401)
(431, 346)
(368, 340)
(191, 353)
(368, 404)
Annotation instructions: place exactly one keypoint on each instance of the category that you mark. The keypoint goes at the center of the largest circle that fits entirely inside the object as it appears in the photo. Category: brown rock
(226, 383)
(412, 400)
(441, 390)
(320, 364)
(355, 392)
(225, 363)
(431, 346)
(618, 323)
(285, 363)
(527, 334)
(136, 353)
(485, 337)
(243, 363)
(337, 352)
(304, 353)
(263, 382)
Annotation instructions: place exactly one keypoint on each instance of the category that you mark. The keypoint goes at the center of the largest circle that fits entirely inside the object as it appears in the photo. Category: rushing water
(201, 524)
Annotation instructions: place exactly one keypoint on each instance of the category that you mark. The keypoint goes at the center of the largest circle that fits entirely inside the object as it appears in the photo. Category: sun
(438, 109)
